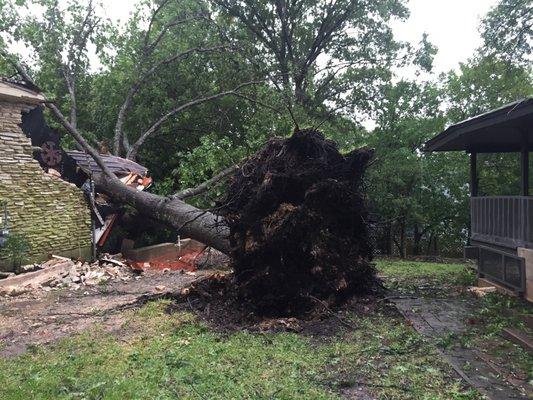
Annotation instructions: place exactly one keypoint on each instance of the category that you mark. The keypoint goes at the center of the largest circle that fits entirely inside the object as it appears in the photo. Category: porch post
(473, 174)
(524, 168)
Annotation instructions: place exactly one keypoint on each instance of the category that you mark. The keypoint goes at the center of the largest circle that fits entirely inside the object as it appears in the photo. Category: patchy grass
(495, 311)
(170, 356)
(393, 360)
(423, 278)
(409, 269)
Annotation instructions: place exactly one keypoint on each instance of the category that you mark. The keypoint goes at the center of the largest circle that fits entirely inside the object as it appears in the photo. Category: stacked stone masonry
(50, 212)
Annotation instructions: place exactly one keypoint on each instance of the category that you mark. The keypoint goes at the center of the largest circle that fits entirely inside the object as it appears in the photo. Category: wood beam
(524, 170)
(473, 175)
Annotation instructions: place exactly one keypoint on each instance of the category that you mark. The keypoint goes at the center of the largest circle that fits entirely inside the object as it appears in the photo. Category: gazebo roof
(504, 129)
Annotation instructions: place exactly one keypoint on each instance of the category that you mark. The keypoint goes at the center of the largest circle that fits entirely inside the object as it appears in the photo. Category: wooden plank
(483, 282)
(29, 280)
(519, 338)
(528, 320)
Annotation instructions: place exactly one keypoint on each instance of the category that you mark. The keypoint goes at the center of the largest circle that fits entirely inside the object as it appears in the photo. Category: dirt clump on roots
(298, 226)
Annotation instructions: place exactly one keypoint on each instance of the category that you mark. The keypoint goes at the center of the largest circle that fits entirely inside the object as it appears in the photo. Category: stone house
(49, 212)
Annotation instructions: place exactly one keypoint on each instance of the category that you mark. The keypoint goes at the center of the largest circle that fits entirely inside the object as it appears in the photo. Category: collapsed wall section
(50, 213)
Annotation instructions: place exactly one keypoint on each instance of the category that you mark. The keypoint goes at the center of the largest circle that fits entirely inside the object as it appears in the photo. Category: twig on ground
(377, 385)
(332, 313)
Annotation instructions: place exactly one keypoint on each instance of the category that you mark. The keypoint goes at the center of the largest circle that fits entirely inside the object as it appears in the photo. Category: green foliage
(507, 31)
(485, 83)
(425, 196)
(213, 155)
(496, 312)
(421, 195)
(59, 39)
(353, 38)
(15, 249)
(503, 311)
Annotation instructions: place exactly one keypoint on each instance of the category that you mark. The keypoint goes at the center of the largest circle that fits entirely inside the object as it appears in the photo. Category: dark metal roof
(117, 165)
(504, 129)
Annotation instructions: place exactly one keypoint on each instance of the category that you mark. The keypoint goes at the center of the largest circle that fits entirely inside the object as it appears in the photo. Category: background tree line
(191, 87)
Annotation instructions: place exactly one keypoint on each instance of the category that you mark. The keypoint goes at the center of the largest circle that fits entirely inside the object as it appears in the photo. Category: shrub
(16, 249)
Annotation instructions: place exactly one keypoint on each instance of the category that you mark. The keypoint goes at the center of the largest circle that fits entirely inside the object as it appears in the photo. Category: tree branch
(205, 186)
(70, 69)
(155, 127)
(79, 138)
(18, 67)
(150, 47)
(135, 87)
(152, 21)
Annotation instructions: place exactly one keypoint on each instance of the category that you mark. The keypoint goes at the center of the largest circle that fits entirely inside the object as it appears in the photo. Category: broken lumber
(31, 280)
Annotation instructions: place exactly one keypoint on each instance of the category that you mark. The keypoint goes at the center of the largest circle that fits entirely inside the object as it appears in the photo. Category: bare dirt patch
(45, 317)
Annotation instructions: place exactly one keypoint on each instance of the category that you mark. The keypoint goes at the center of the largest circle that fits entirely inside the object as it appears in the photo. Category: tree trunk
(428, 247)
(416, 240)
(190, 221)
(402, 240)
(400, 245)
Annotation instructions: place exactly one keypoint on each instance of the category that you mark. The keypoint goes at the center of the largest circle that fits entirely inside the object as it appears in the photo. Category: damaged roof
(17, 92)
(117, 165)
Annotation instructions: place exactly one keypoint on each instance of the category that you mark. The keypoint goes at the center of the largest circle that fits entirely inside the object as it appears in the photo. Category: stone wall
(50, 212)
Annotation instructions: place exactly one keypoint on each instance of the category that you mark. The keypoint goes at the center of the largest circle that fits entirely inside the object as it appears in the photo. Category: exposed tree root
(298, 229)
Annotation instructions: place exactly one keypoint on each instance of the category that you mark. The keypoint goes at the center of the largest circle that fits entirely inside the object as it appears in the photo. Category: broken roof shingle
(117, 165)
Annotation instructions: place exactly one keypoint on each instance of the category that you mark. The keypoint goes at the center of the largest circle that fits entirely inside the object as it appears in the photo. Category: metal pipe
(4, 232)
(93, 224)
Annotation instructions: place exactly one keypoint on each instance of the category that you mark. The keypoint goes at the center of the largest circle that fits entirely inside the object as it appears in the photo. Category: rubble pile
(84, 274)
(61, 272)
(298, 226)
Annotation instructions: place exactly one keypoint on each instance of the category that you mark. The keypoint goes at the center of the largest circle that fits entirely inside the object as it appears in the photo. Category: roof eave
(17, 94)
(498, 116)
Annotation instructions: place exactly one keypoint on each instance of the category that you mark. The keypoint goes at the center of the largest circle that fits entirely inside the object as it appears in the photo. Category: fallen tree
(293, 221)
(190, 221)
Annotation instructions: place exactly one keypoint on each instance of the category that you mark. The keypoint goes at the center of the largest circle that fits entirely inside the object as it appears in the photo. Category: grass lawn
(165, 355)
(411, 277)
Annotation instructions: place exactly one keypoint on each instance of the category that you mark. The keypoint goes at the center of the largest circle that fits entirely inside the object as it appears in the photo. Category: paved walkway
(437, 319)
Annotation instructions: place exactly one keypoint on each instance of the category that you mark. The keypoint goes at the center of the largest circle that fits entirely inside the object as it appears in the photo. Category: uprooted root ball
(298, 230)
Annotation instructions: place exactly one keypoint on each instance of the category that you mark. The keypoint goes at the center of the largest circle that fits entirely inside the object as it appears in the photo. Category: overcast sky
(452, 26)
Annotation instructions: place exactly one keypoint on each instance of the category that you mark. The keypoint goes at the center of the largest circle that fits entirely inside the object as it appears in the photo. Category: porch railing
(502, 220)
